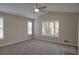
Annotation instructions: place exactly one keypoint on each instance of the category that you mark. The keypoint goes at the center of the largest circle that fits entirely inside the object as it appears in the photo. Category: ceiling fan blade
(42, 11)
(33, 11)
(43, 7)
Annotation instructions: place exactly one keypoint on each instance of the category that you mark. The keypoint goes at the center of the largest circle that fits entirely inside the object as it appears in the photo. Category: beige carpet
(37, 47)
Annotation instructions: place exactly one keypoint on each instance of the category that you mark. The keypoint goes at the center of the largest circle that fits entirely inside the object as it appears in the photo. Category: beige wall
(68, 27)
(14, 29)
(78, 33)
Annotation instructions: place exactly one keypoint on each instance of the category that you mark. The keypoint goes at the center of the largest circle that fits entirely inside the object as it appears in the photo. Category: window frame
(31, 28)
(54, 22)
(2, 28)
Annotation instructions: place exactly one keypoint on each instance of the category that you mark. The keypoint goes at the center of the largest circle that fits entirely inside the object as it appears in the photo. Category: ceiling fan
(36, 8)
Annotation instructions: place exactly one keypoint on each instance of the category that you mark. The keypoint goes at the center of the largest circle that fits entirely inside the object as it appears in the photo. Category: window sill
(1, 39)
(51, 36)
(29, 34)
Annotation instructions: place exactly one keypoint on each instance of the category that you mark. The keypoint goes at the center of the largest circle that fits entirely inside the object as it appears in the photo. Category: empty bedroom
(39, 28)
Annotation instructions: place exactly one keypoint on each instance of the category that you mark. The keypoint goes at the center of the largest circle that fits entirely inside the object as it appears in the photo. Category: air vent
(66, 41)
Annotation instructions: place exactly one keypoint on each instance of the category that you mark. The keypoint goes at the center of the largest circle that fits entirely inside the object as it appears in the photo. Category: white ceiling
(25, 9)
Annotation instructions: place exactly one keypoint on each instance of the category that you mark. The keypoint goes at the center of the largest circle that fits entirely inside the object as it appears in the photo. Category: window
(1, 28)
(50, 28)
(56, 28)
(29, 27)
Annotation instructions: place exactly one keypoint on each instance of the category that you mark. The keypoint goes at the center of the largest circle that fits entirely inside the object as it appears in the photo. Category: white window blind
(50, 28)
(1, 28)
(29, 27)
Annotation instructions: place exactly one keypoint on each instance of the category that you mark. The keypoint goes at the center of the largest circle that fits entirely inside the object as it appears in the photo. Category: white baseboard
(71, 44)
(12, 43)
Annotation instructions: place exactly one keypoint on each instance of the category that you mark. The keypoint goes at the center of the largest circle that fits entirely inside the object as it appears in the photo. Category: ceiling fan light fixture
(36, 10)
